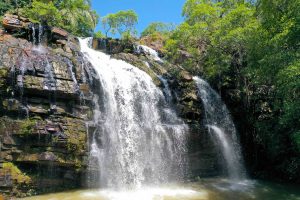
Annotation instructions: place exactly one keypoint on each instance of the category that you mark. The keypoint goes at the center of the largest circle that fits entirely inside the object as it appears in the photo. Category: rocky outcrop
(15, 23)
(112, 46)
(155, 42)
(45, 102)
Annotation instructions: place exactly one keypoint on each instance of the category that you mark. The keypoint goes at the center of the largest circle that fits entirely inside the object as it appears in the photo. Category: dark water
(206, 189)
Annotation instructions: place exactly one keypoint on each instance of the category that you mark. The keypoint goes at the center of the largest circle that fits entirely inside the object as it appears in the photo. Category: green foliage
(252, 48)
(99, 34)
(27, 126)
(157, 27)
(4, 7)
(11, 5)
(215, 34)
(120, 22)
(75, 16)
(43, 12)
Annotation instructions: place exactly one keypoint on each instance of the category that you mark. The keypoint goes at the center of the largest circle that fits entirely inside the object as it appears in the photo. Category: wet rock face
(45, 101)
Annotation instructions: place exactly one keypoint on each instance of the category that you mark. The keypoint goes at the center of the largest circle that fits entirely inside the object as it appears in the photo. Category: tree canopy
(158, 27)
(120, 22)
(76, 16)
(251, 48)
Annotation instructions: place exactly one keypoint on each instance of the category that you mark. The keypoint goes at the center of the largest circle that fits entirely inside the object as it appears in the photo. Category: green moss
(3, 75)
(16, 173)
(77, 143)
(27, 126)
(3, 72)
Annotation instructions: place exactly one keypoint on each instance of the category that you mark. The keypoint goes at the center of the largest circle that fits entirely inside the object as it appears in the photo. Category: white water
(33, 35)
(153, 54)
(166, 88)
(218, 120)
(147, 194)
(139, 140)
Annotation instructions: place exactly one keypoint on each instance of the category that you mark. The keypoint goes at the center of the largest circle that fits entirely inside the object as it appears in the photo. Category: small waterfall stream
(139, 140)
(151, 52)
(222, 129)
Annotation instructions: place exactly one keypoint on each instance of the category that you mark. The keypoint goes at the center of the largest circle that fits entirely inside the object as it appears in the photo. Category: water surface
(206, 189)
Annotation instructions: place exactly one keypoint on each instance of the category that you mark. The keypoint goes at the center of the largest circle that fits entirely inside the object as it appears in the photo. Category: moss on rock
(27, 126)
(16, 174)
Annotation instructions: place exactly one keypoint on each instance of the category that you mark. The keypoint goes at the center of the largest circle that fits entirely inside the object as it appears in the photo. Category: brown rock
(37, 109)
(63, 42)
(84, 88)
(13, 22)
(60, 33)
(186, 76)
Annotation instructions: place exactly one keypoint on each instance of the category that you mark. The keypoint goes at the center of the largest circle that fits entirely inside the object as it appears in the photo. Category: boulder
(14, 22)
(59, 34)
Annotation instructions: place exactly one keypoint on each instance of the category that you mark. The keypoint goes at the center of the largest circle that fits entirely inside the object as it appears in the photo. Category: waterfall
(33, 35)
(40, 34)
(139, 140)
(166, 88)
(222, 129)
(71, 72)
(147, 50)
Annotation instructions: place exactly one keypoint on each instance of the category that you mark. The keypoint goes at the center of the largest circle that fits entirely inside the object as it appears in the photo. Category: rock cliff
(45, 100)
(46, 92)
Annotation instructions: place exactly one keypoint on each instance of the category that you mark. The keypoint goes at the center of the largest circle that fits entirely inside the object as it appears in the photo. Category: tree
(99, 35)
(158, 27)
(252, 50)
(44, 12)
(9, 5)
(75, 16)
(120, 22)
(78, 17)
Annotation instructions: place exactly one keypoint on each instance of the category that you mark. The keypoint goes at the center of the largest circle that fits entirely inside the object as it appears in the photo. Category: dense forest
(248, 51)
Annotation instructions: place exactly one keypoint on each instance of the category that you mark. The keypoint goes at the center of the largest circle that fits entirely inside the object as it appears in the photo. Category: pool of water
(206, 189)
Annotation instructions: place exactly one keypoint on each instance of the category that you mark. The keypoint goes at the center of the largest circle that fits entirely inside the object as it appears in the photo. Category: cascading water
(71, 72)
(166, 88)
(40, 34)
(153, 54)
(218, 120)
(139, 140)
(33, 35)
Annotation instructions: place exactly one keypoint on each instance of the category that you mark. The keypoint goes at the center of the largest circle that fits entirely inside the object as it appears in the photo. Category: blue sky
(168, 11)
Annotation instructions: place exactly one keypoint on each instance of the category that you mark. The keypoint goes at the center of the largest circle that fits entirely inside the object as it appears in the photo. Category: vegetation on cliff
(75, 16)
(250, 53)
